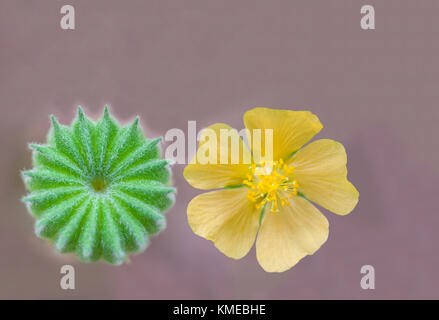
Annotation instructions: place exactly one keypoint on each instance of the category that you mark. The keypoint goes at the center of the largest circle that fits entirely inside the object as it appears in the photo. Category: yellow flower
(269, 201)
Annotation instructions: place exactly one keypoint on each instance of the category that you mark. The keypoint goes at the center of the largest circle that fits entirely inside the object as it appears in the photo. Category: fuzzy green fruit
(98, 189)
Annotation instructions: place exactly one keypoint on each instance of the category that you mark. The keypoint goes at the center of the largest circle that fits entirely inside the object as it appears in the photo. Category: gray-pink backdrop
(173, 61)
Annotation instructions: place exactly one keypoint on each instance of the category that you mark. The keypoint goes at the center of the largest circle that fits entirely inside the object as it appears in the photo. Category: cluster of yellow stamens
(271, 183)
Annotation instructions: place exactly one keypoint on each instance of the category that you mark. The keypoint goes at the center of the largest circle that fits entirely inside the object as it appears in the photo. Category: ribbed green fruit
(98, 189)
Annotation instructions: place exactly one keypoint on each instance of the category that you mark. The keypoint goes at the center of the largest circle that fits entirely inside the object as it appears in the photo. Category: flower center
(99, 184)
(271, 183)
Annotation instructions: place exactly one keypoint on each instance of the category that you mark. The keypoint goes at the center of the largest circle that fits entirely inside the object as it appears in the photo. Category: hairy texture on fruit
(98, 189)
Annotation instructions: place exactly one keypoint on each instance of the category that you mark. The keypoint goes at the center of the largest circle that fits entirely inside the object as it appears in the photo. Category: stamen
(271, 183)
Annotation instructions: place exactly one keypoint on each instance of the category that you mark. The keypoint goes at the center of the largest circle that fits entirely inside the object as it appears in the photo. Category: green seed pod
(98, 189)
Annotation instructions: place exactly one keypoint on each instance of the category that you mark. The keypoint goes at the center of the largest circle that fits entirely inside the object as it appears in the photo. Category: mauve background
(210, 61)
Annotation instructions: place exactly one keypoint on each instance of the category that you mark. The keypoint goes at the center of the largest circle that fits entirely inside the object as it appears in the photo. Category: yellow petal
(227, 218)
(290, 129)
(320, 170)
(214, 166)
(286, 237)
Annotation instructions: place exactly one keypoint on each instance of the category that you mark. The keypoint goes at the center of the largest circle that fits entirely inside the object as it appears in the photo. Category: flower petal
(286, 237)
(320, 170)
(209, 172)
(291, 130)
(227, 218)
